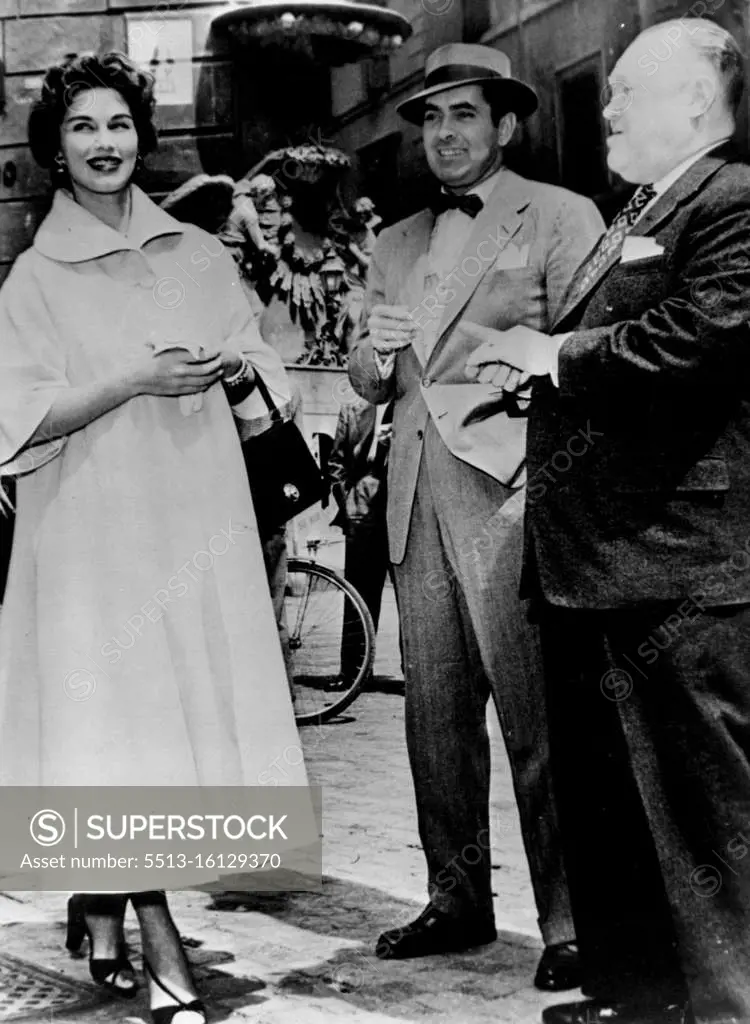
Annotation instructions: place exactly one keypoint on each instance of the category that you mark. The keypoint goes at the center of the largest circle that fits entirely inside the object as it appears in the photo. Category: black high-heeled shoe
(166, 1014)
(76, 931)
(108, 972)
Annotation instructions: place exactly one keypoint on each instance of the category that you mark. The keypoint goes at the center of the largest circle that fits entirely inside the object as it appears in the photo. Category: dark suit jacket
(639, 464)
(357, 486)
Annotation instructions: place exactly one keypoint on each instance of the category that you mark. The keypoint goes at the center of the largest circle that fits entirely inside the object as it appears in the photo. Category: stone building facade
(198, 126)
(564, 48)
(210, 90)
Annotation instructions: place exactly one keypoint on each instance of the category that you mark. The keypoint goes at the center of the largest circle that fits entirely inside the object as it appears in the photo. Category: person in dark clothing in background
(6, 531)
(357, 471)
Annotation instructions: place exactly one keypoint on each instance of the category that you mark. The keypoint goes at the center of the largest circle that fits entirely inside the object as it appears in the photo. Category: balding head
(675, 90)
(707, 47)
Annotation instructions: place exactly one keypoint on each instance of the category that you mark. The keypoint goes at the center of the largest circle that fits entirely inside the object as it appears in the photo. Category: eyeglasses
(617, 97)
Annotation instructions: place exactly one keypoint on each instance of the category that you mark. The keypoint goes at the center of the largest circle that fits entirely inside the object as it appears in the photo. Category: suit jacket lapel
(415, 244)
(497, 224)
(663, 208)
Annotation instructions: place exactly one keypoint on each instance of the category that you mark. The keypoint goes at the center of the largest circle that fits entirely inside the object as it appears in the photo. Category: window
(477, 19)
(378, 76)
(378, 170)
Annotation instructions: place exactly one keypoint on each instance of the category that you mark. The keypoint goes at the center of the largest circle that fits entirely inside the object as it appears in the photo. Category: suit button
(420, 434)
(426, 382)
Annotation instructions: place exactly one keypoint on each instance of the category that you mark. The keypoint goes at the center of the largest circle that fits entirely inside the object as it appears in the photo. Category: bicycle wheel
(326, 663)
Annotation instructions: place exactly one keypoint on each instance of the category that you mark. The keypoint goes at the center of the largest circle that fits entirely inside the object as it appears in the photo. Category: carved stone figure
(302, 255)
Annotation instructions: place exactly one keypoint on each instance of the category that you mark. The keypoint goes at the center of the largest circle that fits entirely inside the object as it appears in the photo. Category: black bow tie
(469, 204)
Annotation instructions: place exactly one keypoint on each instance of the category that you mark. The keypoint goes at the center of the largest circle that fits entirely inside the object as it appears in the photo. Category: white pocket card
(513, 257)
(640, 247)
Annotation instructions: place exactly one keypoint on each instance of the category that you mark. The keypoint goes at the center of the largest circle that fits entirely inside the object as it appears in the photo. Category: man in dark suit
(357, 470)
(638, 548)
(501, 250)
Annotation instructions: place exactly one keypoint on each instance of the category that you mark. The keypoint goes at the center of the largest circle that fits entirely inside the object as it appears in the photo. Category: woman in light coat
(137, 636)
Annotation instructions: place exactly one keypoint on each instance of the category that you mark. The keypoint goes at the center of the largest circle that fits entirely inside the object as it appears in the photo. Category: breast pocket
(634, 287)
(518, 295)
(651, 264)
(509, 275)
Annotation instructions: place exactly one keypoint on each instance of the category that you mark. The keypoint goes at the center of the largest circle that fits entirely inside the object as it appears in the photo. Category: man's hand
(391, 328)
(503, 377)
(509, 358)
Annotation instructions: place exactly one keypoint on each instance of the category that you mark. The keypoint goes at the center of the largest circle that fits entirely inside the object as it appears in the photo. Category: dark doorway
(477, 19)
(581, 133)
(378, 175)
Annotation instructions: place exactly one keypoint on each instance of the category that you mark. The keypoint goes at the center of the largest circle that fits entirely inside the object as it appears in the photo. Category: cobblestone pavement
(304, 958)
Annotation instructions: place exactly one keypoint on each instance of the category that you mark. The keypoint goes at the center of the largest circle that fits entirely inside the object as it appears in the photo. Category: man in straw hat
(499, 250)
(639, 553)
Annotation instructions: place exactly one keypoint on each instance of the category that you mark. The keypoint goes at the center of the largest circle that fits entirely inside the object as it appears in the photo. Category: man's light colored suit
(457, 561)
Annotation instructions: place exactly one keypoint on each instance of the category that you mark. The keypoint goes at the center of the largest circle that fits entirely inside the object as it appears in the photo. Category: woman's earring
(139, 165)
(60, 165)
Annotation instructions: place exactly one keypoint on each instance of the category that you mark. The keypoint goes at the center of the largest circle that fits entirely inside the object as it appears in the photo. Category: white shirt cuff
(555, 371)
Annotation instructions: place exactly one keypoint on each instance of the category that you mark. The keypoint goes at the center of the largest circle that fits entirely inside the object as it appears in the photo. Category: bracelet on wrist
(240, 384)
(235, 378)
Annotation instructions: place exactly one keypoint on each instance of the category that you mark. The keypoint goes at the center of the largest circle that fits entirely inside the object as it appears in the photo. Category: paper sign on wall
(164, 46)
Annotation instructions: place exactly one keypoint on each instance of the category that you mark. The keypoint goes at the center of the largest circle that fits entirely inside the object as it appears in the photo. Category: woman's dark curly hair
(76, 73)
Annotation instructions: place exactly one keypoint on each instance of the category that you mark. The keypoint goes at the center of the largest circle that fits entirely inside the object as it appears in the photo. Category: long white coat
(137, 640)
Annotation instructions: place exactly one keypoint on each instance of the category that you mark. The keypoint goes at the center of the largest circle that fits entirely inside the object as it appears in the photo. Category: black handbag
(284, 476)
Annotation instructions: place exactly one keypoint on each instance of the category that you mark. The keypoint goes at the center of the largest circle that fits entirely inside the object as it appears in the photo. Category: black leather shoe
(594, 1011)
(559, 969)
(434, 932)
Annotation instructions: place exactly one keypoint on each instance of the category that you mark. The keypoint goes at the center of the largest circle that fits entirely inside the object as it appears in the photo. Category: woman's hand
(172, 372)
(176, 372)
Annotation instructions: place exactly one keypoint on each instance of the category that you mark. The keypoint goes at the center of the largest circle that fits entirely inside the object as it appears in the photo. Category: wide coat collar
(70, 234)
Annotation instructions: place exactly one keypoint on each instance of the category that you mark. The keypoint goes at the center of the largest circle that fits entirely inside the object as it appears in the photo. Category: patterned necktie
(470, 204)
(609, 246)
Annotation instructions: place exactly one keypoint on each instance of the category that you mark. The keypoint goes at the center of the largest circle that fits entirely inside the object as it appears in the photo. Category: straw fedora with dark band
(470, 64)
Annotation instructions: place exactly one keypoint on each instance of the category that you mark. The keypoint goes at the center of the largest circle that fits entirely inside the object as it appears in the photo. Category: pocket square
(512, 257)
(640, 247)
